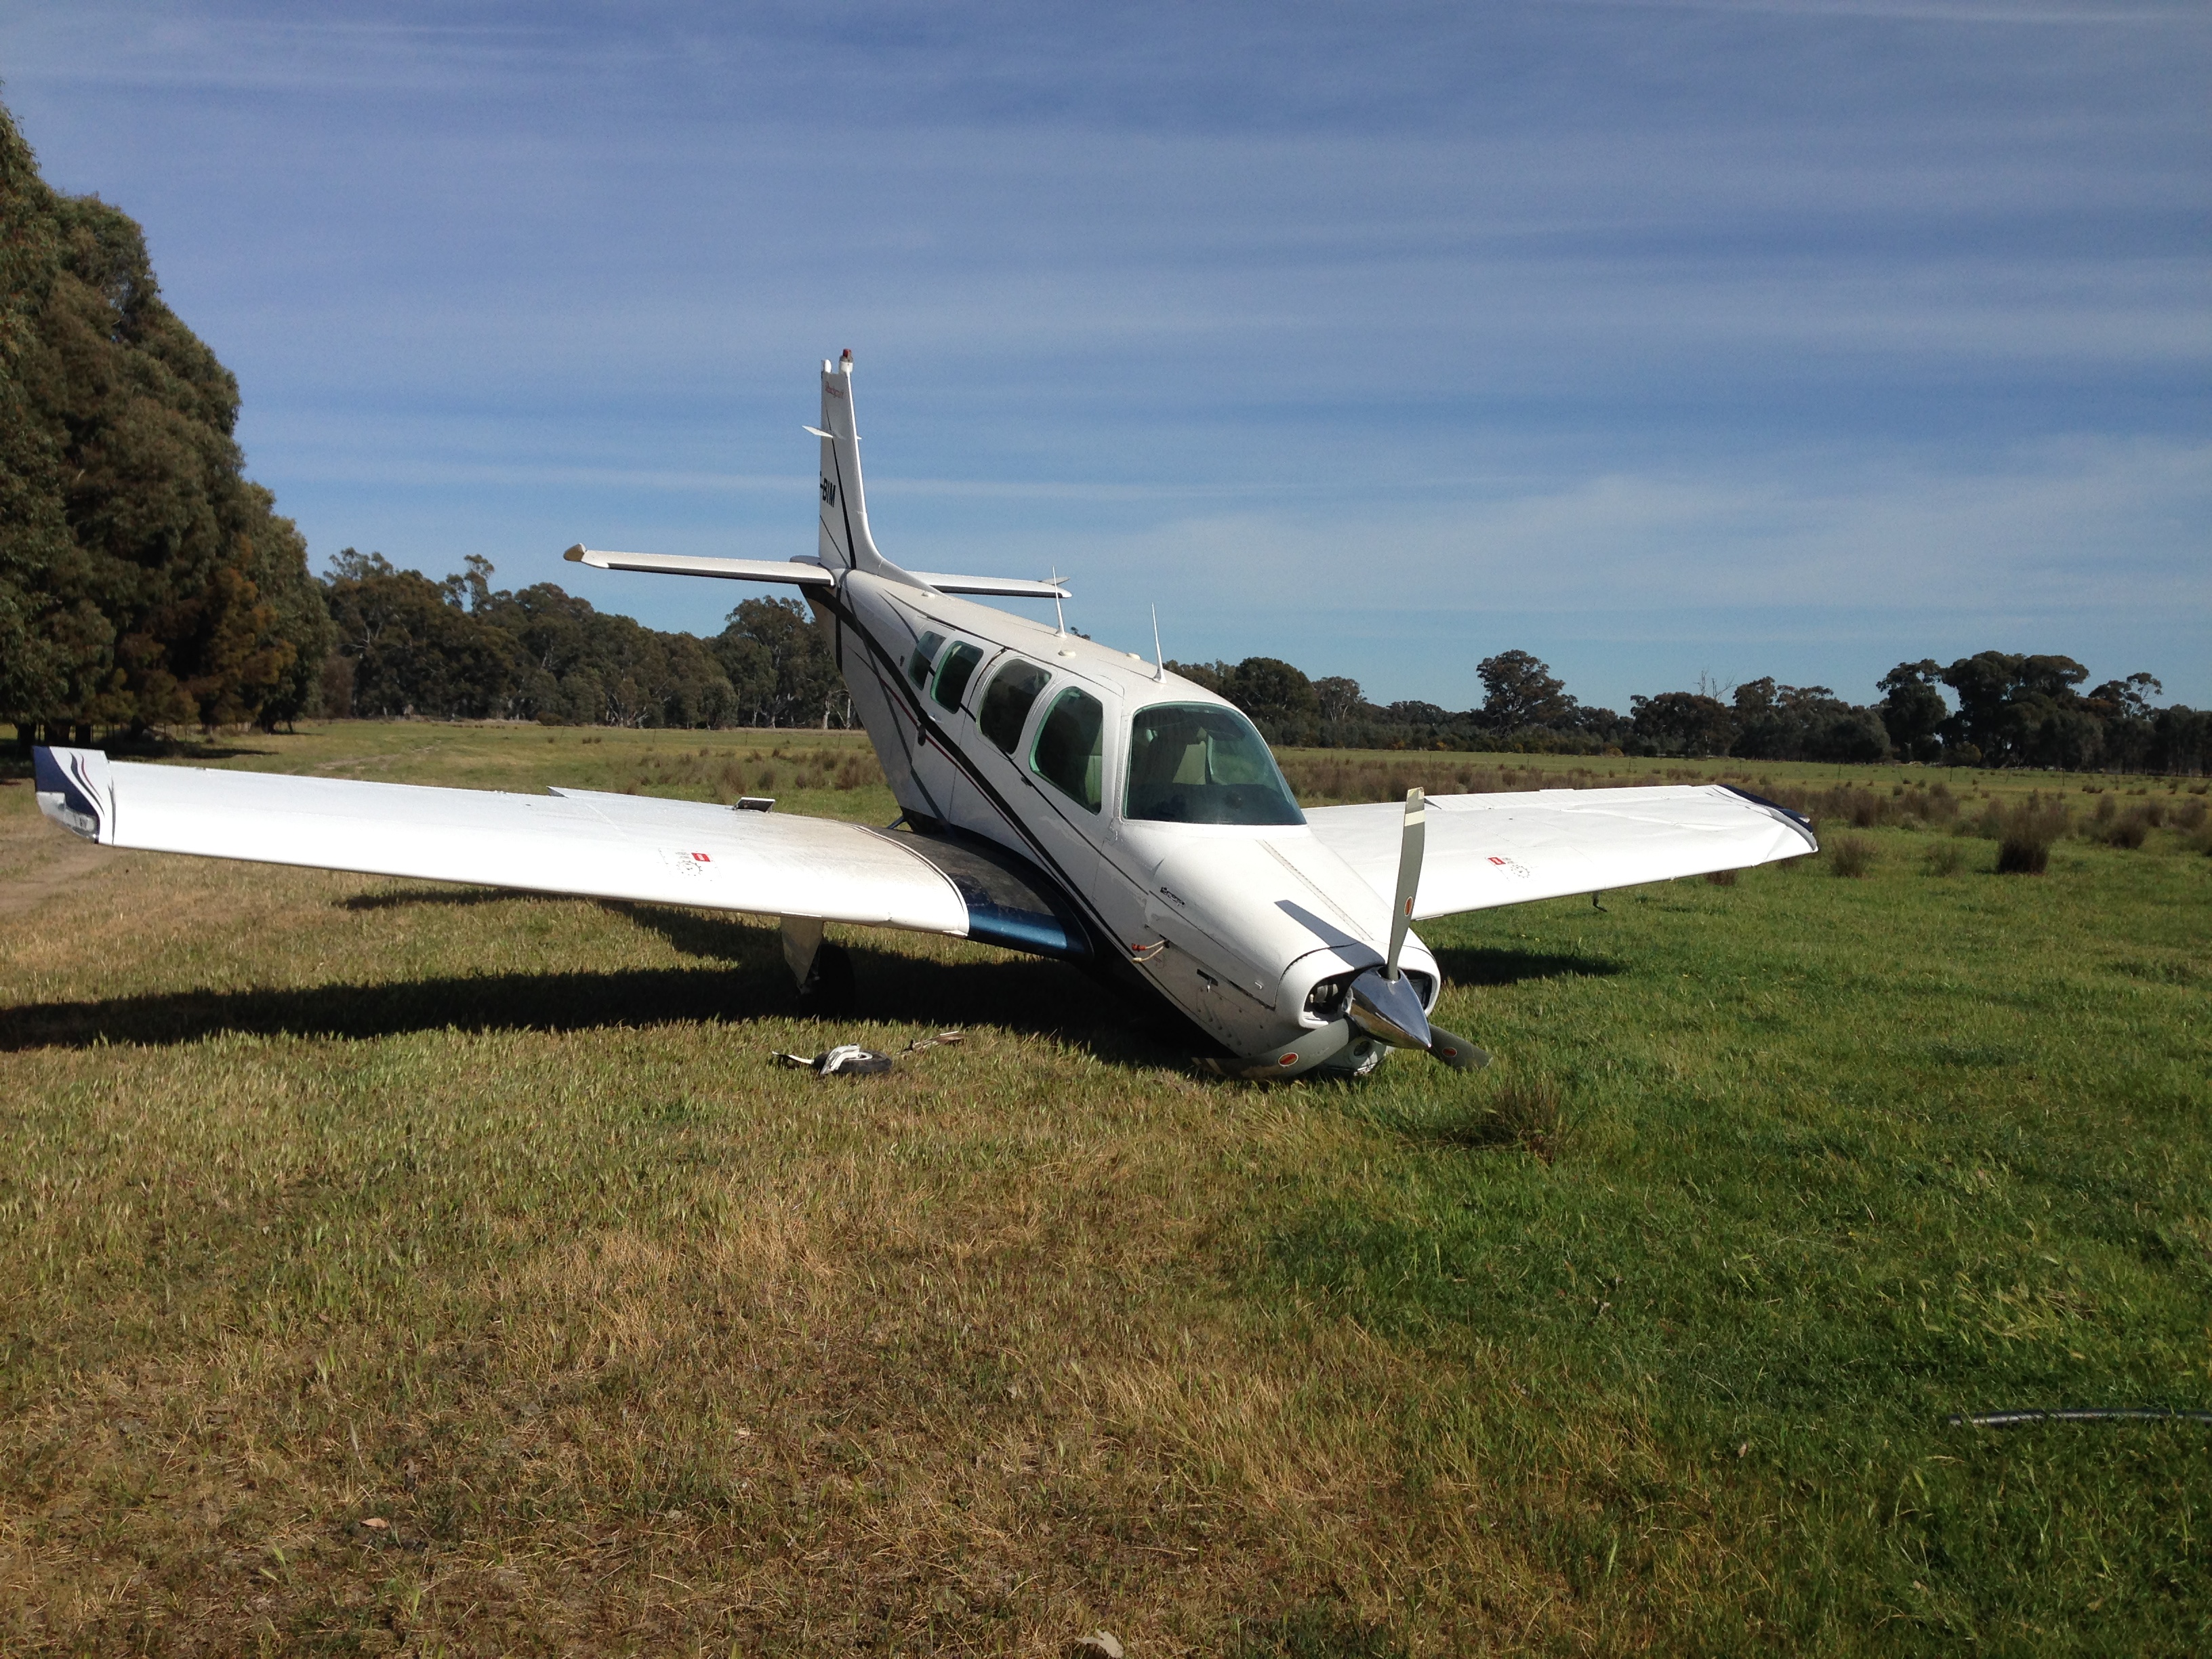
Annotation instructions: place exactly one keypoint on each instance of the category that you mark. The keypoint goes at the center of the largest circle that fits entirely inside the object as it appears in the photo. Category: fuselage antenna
(1057, 615)
(1159, 668)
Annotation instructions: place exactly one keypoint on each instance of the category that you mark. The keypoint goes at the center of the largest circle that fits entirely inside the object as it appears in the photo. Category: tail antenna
(1159, 667)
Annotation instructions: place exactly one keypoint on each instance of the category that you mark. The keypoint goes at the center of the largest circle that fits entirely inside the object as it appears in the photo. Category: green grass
(326, 1200)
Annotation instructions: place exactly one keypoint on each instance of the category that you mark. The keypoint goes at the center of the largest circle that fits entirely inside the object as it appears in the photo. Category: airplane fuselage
(1095, 766)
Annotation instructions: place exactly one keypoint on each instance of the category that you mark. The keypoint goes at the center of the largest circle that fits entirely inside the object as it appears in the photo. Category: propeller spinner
(1384, 1004)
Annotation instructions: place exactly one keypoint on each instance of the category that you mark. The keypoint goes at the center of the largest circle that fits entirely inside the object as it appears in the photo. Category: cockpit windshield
(1196, 763)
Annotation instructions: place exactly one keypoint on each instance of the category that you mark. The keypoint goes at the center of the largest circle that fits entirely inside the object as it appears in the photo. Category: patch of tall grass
(1851, 856)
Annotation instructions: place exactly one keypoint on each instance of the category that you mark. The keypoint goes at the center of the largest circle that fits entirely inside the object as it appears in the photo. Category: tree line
(147, 584)
(458, 648)
(2003, 710)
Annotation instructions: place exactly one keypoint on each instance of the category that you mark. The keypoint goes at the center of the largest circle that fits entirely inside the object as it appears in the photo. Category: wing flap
(1488, 850)
(597, 846)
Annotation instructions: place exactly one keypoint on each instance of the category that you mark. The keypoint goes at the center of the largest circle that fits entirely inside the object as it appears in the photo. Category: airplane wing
(1488, 850)
(599, 846)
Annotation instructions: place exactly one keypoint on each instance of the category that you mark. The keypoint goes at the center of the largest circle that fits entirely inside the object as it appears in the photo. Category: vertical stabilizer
(846, 543)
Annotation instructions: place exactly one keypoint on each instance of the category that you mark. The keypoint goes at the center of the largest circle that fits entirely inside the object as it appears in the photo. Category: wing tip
(1795, 820)
(74, 789)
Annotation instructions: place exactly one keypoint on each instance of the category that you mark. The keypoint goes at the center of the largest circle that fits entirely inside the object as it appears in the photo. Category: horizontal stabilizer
(1005, 587)
(798, 575)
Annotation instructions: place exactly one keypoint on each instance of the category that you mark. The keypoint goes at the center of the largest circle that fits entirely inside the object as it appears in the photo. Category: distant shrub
(1851, 856)
(2023, 833)
(1936, 806)
(2129, 830)
(2190, 815)
(1946, 858)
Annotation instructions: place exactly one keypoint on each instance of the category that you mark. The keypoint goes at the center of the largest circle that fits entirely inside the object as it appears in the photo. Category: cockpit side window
(1006, 701)
(1193, 763)
(1069, 748)
(925, 653)
(952, 679)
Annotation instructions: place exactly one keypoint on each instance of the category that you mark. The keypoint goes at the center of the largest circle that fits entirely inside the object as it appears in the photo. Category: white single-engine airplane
(1060, 799)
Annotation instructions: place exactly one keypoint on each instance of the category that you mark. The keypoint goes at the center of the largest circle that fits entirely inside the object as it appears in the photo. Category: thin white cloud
(1610, 310)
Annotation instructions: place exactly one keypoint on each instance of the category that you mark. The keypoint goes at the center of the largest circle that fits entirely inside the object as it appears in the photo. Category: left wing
(598, 846)
(1488, 850)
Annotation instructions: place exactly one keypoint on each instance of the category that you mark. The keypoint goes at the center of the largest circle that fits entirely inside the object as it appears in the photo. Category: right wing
(598, 846)
(1508, 848)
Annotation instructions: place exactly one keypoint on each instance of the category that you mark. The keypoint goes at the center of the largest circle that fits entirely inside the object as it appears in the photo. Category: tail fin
(846, 542)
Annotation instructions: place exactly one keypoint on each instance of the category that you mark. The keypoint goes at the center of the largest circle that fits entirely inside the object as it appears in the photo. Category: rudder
(845, 544)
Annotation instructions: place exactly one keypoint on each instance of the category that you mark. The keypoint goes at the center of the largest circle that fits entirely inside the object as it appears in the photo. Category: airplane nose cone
(1389, 1011)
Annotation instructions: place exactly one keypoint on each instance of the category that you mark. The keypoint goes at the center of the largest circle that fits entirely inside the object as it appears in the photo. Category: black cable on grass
(2081, 1415)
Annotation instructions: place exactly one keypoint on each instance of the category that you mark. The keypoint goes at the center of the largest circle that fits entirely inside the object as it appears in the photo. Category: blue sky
(1660, 339)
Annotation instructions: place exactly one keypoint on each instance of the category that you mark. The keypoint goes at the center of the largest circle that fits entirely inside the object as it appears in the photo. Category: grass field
(387, 1267)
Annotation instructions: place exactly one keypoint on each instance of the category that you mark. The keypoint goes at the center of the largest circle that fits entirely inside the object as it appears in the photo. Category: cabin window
(952, 678)
(1193, 763)
(925, 653)
(1068, 750)
(1006, 701)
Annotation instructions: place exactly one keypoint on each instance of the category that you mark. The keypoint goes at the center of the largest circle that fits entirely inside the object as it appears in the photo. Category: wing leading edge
(1489, 850)
(592, 845)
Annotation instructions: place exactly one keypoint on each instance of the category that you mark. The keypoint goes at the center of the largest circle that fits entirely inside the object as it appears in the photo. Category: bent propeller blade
(1456, 1051)
(1410, 844)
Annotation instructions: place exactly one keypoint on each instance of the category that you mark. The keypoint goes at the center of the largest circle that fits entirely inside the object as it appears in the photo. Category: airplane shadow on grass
(740, 978)
(1476, 966)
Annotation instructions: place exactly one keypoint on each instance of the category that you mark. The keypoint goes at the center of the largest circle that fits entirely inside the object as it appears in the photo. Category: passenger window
(952, 678)
(1006, 701)
(1068, 752)
(925, 653)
